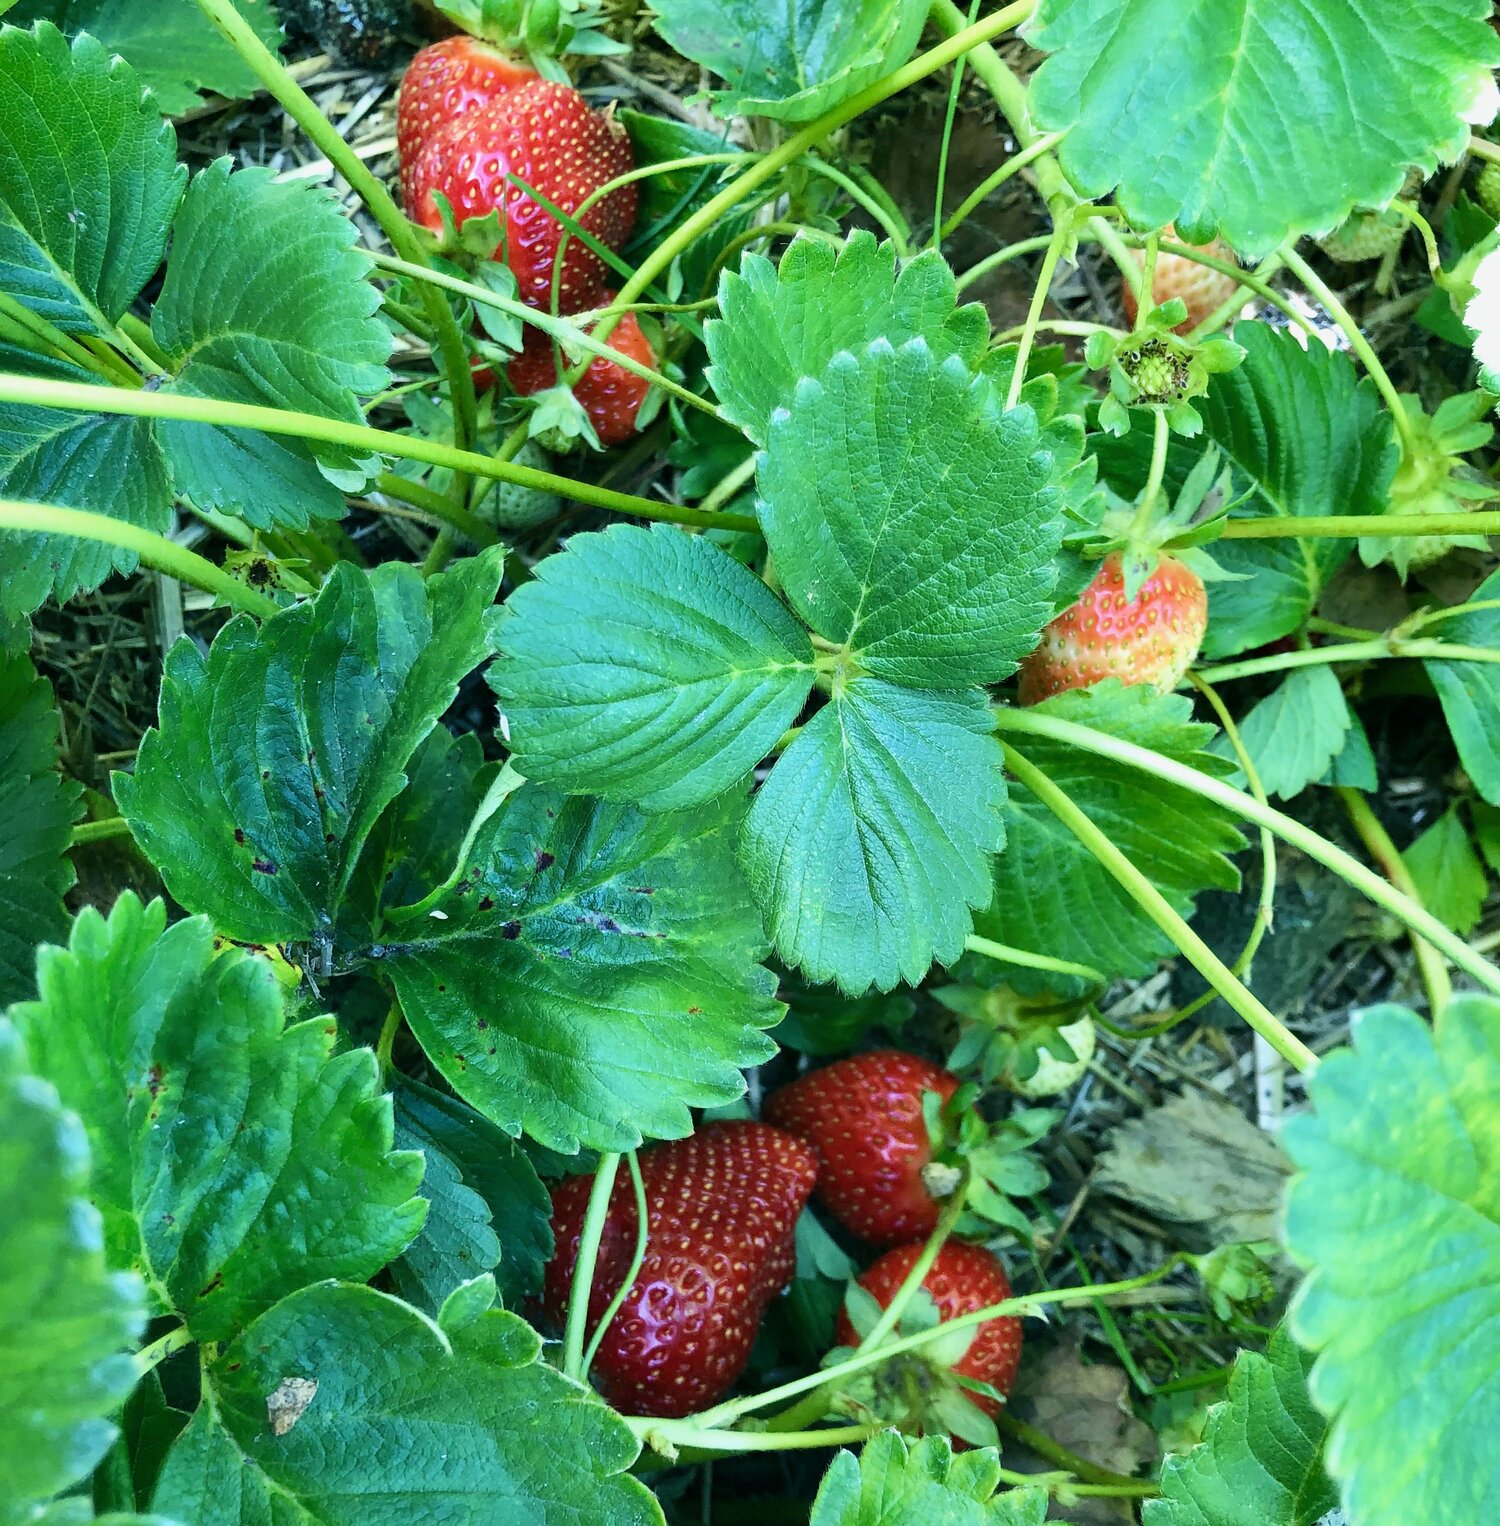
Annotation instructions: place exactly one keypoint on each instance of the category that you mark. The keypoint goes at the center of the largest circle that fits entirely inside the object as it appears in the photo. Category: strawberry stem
(1055, 246)
(1140, 526)
(161, 1348)
(642, 1231)
(1345, 865)
(1335, 526)
(1029, 961)
(891, 1315)
(992, 183)
(583, 1269)
(1351, 651)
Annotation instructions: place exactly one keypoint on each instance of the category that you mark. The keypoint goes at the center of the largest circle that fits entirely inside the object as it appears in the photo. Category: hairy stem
(583, 1269)
(1339, 527)
(1055, 246)
(1350, 651)
(99, 831)
(1029, 961)
(642, 1235)
(161, 1348)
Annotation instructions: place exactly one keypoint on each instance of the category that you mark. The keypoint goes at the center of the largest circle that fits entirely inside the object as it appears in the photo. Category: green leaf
(235, 1159)
(1304, 436)
(1354, 763)
(89, 184)
(912, 517)
(1449, 877)
(1294, 734)
(1260, 1461)
(791, 61)
(594, 974)
(266, 301)
(345, 1407)
(173, 47)
(648, 666)
(277, 753)
(1470, 691)
(37, 812)
(900, 1482)
(111, 465)
(1482, 314)
(870, 841)
(1396, 1215)
(1052, 895)
(1258, 121)
(484, 1195)
(783, 322)
(63, 1317)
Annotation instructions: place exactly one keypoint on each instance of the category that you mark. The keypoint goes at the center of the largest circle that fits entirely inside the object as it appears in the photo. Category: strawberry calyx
(1155, 368)
(540, 31)
(1033, 1047)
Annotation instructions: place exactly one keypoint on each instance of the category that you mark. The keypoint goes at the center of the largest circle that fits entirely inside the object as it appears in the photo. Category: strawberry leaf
(37, 812)
(1302, 436)
(1260, 121)
(1470, 691)
(1395, 1216)
(277, 753)
(1482, 315)
(486, 1204)
(869, 843)
(783, 322)
(791, 62)
(913, 518)
(173, 47)
(1260, 1462)
(64, 1318)
(380, 1414)
(85, 210)
(594, 974)
(648, 666)
(235, 1159)
(1294, 734)
(1052, 895)
(1449, 876)
(266, 302)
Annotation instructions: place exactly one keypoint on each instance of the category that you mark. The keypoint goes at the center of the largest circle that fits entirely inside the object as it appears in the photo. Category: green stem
(308, 426)
(954, 86)
(1347, 867)
(880, 212)
(1377, 841)
(36, 333)
(1080, 1467)
(154, 550)
(1350, 651)
(1147, 506)
(727, 487)
(304, 111)
(1338, 527)
(1482, 148)
(1360, 345)
(1001, 257)
(891, 1315)
(1055, 246)
(99, 831)
(672, 1434)
(417, 494)
(161, 1348)
(139, 332)
(386, 1043)
(1029, 961)
(1262, 288)
(997, 178)
(1230, 306)
(1147, 296)
(588, 1255)
(1156, 906)
(637, 1261)
(1429, 238)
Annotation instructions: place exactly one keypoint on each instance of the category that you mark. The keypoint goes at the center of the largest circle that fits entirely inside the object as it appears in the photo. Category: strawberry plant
(665, 806)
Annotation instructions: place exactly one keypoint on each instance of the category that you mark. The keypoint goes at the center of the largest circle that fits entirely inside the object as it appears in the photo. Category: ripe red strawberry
(1151, 639)
(611, 395)
(547, 135)
(447, 80)
(863, 1116)
(1202, 289)
(963, 1280)
(722, 1209)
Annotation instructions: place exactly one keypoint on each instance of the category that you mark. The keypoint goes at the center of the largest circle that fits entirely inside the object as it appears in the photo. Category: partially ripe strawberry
(722, 1211)
(963, 1279)
(863, 1117)
(445, 81)
(610, 395)
(1204, 291)
(547, 135)
(1151, 639)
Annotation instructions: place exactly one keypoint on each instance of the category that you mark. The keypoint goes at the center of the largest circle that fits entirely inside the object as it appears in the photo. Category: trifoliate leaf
(266, 302)
(912, 517)
(64, 1319)
(1303, 436)
(790, 62)
(173, 47)
(1263, 120)
(1470, 691)
(37, 812)
(870, 841)
(342, 1406)
(108, 464)
(1395, 1216)
(783, 322)
(485, 1202)
(896, 1481)
(235, 1159)
(277, 753)
(1052, 896)
(648, 666)
(1294, 733)
(1449, 876)
(1260, 1462)
(594, 974)
(89, 184)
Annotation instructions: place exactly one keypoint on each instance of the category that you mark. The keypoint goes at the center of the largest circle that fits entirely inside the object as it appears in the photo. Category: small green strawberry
(1487, 188)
